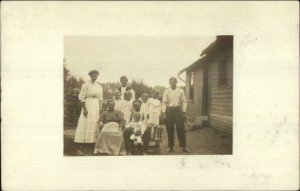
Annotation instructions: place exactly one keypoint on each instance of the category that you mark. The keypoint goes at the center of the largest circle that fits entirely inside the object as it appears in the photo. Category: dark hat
(136, 101)
(93, 72)
(173, 78)
(123, 77)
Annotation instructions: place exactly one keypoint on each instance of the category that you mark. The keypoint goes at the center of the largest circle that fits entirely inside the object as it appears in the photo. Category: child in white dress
(144, 108)
(118, 102)
(154, 110)
(126, 106)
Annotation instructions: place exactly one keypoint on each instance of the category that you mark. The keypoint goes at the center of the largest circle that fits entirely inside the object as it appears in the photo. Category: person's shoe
(79, 153)
(170, 150)
(186, 150)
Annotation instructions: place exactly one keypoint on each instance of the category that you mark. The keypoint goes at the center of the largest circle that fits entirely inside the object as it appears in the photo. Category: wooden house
(209, 86)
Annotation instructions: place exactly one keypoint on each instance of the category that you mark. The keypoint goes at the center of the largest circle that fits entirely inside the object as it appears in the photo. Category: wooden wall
(221, 96)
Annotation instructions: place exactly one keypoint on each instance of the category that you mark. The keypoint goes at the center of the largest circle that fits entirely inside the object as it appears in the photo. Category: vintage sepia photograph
(148, 95)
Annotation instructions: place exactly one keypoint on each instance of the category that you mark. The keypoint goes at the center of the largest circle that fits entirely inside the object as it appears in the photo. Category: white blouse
(118, 105)
(174, 98)
(93, 90)
(126, 107)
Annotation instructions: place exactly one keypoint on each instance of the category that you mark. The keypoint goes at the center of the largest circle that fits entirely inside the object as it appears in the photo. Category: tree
(72, 107)
(109, 89)
(139, 88)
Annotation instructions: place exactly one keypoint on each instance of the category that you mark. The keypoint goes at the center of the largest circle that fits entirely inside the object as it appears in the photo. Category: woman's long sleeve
(121, 119)
(83, 93)
(102, 117)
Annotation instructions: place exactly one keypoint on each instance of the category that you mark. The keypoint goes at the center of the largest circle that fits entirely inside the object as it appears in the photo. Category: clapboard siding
(226, 109)
(221, 96)
(221, 122)
(221, 90)
(221, 127)
(222, 100)
(220, 104)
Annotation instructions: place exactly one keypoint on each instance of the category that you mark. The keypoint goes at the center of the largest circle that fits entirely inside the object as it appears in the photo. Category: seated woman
(110, 140)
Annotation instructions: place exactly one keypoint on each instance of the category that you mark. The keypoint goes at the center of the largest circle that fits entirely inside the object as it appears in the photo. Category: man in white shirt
(124, 88)
(174, 111)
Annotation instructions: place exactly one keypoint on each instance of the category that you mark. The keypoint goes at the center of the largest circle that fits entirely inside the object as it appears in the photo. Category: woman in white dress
(91, 97)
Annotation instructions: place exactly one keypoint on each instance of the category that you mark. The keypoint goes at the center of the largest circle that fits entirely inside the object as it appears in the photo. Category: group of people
(128, 122)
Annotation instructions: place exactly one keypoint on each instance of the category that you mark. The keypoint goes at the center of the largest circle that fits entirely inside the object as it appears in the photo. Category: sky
(151, 59)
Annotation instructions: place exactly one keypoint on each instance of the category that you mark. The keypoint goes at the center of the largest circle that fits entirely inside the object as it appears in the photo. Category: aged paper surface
(265, 106)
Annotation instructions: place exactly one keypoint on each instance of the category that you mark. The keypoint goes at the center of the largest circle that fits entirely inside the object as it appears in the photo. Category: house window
(191, 96)
(222, 73)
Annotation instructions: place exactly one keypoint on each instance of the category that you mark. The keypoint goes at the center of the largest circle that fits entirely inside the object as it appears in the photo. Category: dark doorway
(205, 96)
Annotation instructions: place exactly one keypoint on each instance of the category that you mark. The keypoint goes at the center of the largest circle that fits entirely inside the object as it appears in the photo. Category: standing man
(124, 88)
(174, 111)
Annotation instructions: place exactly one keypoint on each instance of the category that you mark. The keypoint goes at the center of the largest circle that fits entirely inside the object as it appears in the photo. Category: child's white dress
(118, 105)
(144, 112)
(154, 110)
(137, 126)
(126, 107)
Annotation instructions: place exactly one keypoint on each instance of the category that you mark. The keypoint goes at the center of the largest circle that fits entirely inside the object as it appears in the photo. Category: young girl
(126, 106)
(118, 102)
(154, 110)
(144, 108)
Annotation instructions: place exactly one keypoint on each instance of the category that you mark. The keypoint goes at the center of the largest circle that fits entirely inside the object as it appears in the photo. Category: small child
(126, 106)
(118, 102)
(138, 129)
(154, 110)
(144, 107)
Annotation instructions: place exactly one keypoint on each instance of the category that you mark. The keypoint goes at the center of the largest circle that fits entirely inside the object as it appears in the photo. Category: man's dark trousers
(174, 116)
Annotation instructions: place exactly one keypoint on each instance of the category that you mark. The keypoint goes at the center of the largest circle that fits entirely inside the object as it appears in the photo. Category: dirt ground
(201, 141)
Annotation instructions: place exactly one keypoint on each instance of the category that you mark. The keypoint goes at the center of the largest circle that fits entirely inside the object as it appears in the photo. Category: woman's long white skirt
(110, 140)
(87, 128)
